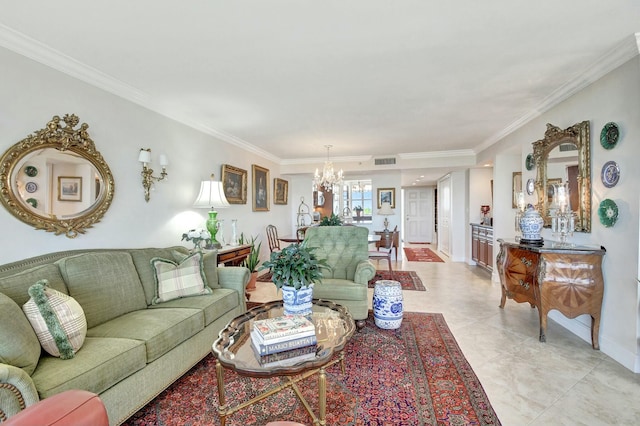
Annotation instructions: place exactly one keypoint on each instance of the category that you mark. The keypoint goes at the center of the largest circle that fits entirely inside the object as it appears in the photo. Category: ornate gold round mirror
(564, 155)
(56, 180)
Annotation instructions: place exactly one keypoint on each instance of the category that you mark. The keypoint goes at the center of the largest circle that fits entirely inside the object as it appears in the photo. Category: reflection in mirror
(564, 156)
(56, 180)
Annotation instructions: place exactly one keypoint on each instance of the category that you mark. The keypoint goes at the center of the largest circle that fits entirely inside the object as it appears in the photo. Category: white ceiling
(370, 77)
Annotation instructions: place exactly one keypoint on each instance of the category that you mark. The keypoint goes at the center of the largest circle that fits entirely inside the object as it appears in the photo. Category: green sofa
(133, 349)
(346, 250)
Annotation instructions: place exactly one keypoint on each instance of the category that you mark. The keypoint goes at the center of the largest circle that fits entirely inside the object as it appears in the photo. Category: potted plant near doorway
(295, 269)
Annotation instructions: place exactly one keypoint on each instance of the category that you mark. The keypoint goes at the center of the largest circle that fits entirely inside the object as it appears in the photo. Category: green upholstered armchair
(346, 250)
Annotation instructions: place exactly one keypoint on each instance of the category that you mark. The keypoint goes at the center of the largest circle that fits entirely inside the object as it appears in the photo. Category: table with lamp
(386, 210)
(211, 196)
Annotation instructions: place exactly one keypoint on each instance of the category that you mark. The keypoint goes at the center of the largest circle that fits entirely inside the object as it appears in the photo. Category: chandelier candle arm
(329, 177)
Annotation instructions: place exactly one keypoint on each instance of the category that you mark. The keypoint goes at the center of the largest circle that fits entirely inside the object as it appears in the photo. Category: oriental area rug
(421, 254)
(415, 375)
(408, 279)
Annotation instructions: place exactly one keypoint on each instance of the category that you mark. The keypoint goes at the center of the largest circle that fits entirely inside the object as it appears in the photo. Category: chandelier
(329, 177)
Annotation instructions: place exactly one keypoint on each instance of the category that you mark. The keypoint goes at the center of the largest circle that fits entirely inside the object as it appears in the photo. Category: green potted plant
(358, 210)
(252, 261)
(332, 220)
(295, 269)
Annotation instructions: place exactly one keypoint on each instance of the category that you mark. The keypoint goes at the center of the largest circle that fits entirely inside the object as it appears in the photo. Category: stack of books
(284, 340)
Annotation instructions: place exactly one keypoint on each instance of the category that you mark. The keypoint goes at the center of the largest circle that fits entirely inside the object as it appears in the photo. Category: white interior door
(444, 214)
(418, 210)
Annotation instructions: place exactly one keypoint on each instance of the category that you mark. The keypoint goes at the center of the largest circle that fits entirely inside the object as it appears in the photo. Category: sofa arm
(364, 272)
(235, 278)
(17, 391)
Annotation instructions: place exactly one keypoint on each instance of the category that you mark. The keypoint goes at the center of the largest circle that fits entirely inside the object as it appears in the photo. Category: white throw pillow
(57, 318)
(175, 280)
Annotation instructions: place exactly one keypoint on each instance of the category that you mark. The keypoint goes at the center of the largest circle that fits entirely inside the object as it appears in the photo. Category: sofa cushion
(176, 280)
(100, 364)
(105, 284)
(146, 273)
(160, 329)
(214, 305)
(20, 346)
(209, 264)
(17, 286)
(57, 319)
(337, 289)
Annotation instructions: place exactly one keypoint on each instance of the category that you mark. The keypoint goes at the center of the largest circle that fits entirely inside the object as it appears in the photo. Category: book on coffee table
(289, 357)
(282, 328)
(270, 347)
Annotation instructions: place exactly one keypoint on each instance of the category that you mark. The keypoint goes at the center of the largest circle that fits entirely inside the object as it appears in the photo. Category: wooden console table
(568, 279)
(233, 256)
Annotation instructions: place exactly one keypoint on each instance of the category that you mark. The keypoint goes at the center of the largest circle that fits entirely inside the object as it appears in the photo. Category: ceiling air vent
(568, 147)
(385, 161)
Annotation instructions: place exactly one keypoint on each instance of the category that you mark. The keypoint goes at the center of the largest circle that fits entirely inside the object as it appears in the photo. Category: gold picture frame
(387, 195)
(516, 186)
(69, 188)
(234, 183)
(260, 188)
(280, 191)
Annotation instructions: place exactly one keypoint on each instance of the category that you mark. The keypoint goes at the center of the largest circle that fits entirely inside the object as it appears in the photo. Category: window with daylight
(357, 196)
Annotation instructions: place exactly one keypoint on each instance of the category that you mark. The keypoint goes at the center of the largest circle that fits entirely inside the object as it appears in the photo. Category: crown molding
(47, 55)
(309, 160)
(437, 154)
(627, 49)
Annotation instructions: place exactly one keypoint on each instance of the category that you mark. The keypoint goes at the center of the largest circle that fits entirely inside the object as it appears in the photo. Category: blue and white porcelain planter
(297, 302)
(387, 304)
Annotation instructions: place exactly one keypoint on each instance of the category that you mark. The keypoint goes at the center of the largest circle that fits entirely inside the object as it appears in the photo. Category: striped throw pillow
(57, 319)
(175, 280)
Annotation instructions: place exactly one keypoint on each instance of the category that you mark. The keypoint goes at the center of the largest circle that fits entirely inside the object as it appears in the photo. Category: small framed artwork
(516, 187)
(387, 195)
(260, 188)
(280, 191)
(551, 189)
(234, 183)
(69, 188)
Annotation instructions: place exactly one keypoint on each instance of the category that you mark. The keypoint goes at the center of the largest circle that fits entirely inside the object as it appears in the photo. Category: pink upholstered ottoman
(69, 408)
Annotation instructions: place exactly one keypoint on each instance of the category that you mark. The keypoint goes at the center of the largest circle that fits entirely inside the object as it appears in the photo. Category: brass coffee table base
(224, 410)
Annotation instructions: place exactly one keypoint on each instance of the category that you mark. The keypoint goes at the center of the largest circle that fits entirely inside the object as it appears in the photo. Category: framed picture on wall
(387, 195)
(260, 188)
(234, 183)
(69, 188)
(516, 186)
(280, 191)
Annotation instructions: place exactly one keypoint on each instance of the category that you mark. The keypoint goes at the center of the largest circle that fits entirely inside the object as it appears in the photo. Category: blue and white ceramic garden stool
(387, 304)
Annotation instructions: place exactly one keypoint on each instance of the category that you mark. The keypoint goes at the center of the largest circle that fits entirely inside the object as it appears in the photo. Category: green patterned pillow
(57, 319)
(175, 280)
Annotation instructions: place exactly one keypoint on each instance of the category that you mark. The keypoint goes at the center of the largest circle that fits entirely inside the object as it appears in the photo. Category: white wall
(615, 97)
(31, 94)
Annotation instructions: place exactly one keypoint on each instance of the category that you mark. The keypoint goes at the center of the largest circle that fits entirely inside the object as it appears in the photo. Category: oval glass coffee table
(334, 327)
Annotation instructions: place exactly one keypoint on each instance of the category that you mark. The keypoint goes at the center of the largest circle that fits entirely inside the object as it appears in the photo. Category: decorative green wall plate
(608, 212)
(609, 135)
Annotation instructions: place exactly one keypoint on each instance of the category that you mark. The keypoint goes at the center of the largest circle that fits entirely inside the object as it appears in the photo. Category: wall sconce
(147, 172)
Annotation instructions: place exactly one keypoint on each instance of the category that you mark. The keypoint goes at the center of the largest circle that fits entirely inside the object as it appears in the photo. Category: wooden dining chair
(384, 248)
(272, 238)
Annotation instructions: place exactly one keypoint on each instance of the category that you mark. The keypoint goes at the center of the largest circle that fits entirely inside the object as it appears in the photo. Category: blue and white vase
(531, 224)
(297, 302)
(387, 304)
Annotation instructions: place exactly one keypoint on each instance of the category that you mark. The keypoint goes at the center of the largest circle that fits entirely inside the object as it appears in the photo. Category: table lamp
(212, 197)
(386, 210)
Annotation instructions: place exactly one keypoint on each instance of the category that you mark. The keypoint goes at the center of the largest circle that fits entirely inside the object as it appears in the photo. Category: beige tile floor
(560, 382)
